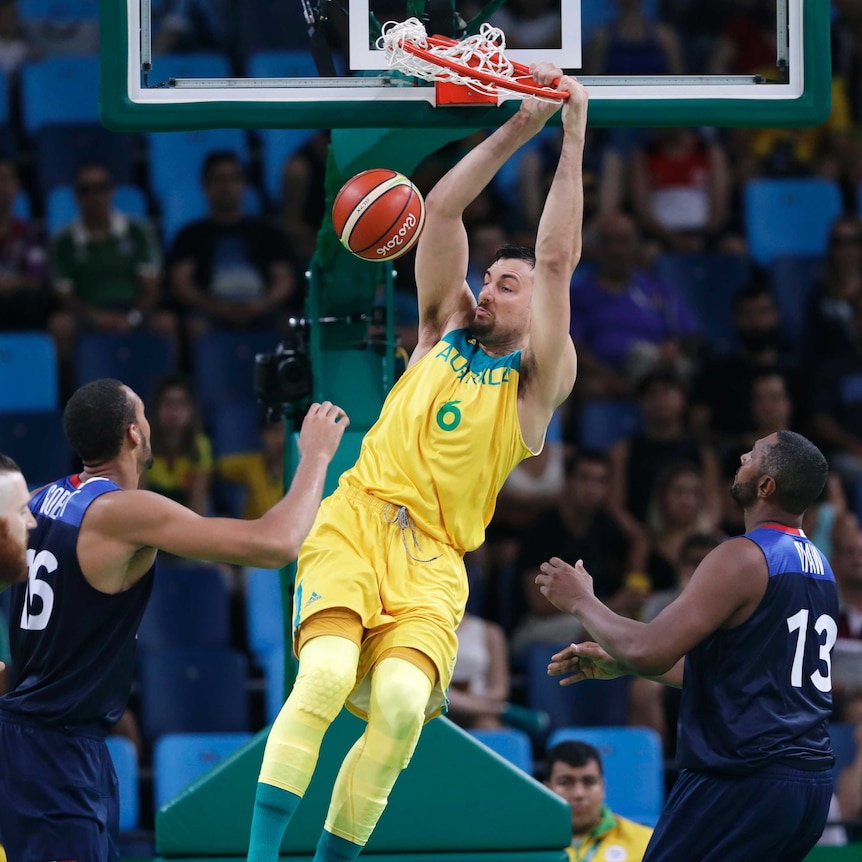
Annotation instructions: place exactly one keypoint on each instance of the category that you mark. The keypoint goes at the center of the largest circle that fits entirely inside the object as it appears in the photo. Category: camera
(283, 378)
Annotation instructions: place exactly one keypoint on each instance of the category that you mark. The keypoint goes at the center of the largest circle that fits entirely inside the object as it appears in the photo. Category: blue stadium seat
(789, 216)
(21, 206)
(281, 64)
(60, 90)
(36, 442)
(59, 12)
(590, 703)
(633, 767)
(792, 278)
(139, 358)
(62, 148)
(193, 690)
(204, 64)
(223, 364)
(265, 623)
(277, 146)
(28, 372)
(272, 662)
(190, 606)
(511, 744)
(125, 760)
(179, 759)
(599, 13)
(604, 423)
(176, 158)
(235, 427)
(61, 207)
(708, 282)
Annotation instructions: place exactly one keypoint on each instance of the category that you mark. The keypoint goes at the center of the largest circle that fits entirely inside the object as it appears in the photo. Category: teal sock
(331, 848)
(273, 808)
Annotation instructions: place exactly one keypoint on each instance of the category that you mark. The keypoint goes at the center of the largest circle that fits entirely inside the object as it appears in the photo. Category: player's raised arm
(442, 252)
(558, 250)
(142, 519)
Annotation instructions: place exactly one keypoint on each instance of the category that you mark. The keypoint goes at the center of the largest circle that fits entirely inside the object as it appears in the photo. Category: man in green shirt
(598, 835)
(105, 268)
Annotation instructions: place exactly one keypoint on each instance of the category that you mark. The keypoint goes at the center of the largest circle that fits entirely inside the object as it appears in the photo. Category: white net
(481, 52)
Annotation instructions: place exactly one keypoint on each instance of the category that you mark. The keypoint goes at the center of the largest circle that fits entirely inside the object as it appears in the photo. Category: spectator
(624, 321)
(664, 439)
(681, 192)
(479, 691)
(721, 406)
(230, 270)
(24, 301)
(575, 773)
(529, 23)
(836, 405)
(303, 195)
(849, 781)
(634, 45)
(15, 47)
(182, 454)
(771, 410)
(259, 473)
(676, 512)
(106, 268)
(829, 323)
(583, 526)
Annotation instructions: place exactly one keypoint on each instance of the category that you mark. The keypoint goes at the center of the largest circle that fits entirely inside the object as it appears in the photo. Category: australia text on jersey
(494, 375)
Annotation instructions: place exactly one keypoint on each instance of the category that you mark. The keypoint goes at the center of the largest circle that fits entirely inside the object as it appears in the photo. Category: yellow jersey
(447, 437)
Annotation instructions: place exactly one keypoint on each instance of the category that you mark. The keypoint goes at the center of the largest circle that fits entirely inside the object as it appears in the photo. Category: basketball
(378, 214)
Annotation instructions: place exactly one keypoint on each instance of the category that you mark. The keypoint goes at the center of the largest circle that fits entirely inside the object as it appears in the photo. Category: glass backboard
(313, 64)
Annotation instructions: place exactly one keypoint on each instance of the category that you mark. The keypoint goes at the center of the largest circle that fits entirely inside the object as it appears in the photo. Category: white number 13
(799, 623)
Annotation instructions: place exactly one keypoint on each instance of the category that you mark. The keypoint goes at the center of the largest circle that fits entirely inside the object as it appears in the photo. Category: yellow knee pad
(327, 674)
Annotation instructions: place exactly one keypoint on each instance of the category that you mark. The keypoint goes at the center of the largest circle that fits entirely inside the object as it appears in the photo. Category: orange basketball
(378, 214)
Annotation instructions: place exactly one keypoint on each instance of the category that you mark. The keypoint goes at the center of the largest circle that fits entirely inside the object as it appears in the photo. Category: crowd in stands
(690, 346)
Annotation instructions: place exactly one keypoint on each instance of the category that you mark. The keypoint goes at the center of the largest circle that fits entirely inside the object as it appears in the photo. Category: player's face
(744, 488)
(583, 787)
(145, 458)
(16, 521)
(503, 310)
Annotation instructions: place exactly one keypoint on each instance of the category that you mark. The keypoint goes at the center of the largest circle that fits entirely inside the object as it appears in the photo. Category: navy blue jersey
(73, 647)
(762, 692)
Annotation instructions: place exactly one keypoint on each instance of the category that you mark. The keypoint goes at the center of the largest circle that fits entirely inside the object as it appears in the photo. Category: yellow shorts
(408, 594)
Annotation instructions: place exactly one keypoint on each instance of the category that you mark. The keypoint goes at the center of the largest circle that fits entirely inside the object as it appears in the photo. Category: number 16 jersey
(73, 647)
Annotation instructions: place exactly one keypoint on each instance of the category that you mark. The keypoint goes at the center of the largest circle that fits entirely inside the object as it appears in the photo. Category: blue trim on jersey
(478, 363)
(67, 501)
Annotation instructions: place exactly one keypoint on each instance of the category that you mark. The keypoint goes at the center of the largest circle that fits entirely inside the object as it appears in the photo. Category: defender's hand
(322, 429)
(584, 661)
(563, 585)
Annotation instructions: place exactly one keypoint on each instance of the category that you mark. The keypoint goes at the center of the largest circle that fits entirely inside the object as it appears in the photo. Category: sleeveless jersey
(761, 693)
(447, 437)
(73, 647)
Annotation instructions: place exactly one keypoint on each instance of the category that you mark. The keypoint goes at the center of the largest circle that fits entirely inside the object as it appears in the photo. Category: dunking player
(91, 563)
(749, 640)
(382, 585)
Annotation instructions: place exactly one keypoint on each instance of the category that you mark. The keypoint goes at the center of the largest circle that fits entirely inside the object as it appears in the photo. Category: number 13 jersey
(761, 692)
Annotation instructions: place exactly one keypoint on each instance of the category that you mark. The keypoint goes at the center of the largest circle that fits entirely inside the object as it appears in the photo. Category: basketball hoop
(477, 63)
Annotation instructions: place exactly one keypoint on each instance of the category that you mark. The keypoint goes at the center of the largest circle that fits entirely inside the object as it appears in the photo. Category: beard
(13, 557)
(482, 327)
(744, 493)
